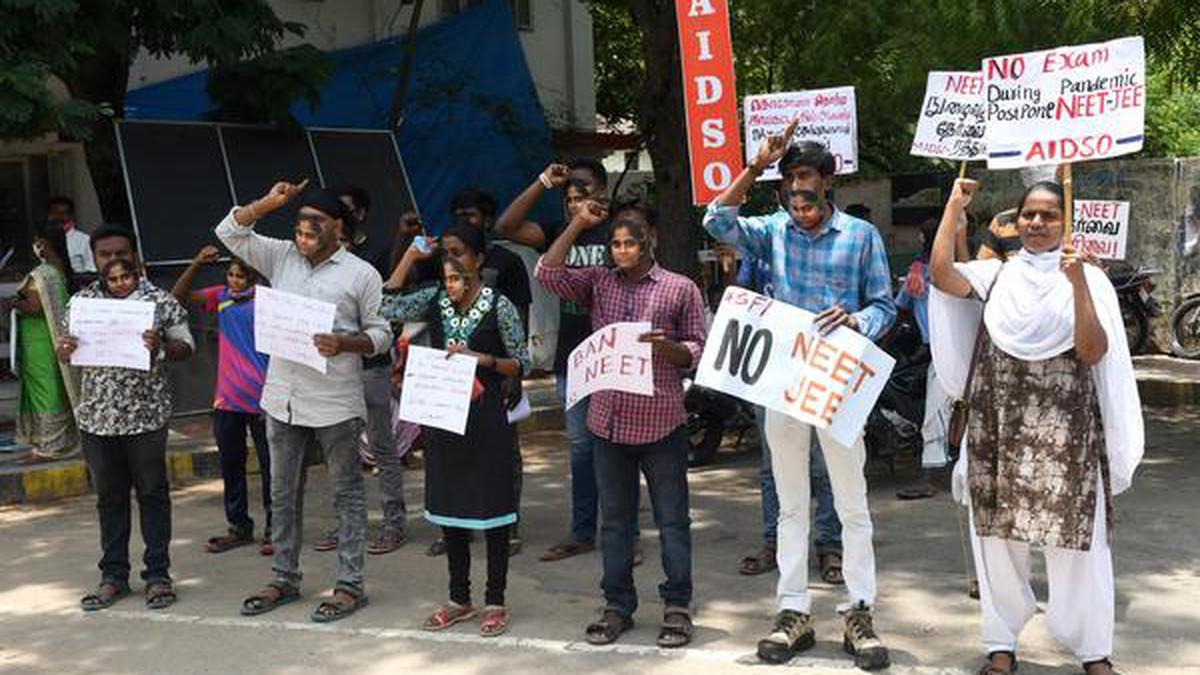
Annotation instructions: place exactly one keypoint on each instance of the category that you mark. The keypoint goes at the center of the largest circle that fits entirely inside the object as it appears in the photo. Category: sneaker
(860, 640)
(328, 541)
(793, 633)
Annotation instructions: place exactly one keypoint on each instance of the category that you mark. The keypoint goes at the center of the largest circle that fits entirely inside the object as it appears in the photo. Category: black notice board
(258, 158)
(369, 160)
(177, 185)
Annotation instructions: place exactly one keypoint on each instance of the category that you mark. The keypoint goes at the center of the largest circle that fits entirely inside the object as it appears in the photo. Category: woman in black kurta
(468, 478)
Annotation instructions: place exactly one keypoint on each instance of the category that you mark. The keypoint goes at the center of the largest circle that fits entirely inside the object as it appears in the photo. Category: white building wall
(558, 47)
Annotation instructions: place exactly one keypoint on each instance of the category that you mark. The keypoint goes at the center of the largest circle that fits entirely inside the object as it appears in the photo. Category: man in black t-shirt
(503, 270)
(582, 179)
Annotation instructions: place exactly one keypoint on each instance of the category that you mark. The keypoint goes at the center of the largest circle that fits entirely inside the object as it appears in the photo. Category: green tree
(884, 49)
(64, 67)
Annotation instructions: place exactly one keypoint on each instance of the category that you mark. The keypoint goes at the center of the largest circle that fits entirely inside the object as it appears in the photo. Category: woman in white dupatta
(1055, 427)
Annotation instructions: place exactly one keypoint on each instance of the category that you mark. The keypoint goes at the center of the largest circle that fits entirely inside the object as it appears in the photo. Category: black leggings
(458, 557)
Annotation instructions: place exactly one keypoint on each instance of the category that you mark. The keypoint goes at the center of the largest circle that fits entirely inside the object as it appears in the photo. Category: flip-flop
(493, 621)
(831, 568)
(567, 549)
(160, 595)
(447, 615)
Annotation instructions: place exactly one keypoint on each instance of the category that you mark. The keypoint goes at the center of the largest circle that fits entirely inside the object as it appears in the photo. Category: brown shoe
(328, 541)
(388, 539)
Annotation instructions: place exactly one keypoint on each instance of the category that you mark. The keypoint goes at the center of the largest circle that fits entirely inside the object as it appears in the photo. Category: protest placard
(827, 116)
(611, 359)
(771, 354)
(285, 323)
(952, 117)
(1101, 227)
(437, 390)
(110, 332)
(709, 95)
(1067, 104)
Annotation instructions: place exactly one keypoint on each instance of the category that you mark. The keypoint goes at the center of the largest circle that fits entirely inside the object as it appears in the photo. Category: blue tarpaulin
(471, 114)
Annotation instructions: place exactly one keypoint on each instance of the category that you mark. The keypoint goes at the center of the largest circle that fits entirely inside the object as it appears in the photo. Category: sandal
(331, 610)
(437, 548)
(922, 490)
(228, 541)
(759, 563)
(514, 545)
(105, 595)
(608, 628)
(991, 668)
(676, 628)
(328, 541)
(275, 595)
(1087, 666)
(493, 621)
(831, 568)
(447, 615)
(160, 595)
(387, 540)
(265, 547)
(567, 549)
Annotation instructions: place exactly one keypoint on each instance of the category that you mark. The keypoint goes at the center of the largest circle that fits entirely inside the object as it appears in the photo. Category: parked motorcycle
(894, 426)
(710, 414)
(1185, 328)
(1134, 287)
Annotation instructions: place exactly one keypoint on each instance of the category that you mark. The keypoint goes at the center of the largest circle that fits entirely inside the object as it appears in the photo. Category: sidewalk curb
(1168, 393)
(194, 460)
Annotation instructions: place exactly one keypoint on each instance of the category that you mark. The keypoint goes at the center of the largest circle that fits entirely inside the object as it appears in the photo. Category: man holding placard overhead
(827, 262)
(304, 404)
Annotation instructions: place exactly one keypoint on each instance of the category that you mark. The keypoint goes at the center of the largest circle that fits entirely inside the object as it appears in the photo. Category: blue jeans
(584, 510)
(664, 463)
(229, 430)
(827, 529)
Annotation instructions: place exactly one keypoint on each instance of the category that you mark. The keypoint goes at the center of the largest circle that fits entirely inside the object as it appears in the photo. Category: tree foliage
(885, 49)
(64, 66)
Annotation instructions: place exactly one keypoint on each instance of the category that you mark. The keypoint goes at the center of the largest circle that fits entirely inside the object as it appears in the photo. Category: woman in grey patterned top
(1056, 429)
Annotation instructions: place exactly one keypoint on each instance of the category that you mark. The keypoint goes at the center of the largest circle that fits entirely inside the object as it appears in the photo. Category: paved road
(923, 613)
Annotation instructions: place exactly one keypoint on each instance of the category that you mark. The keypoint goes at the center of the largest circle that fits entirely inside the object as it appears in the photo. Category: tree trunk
(661, 121)
(103, 77)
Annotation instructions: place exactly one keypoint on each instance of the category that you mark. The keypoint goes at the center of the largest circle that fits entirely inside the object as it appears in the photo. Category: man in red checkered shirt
(634, 433)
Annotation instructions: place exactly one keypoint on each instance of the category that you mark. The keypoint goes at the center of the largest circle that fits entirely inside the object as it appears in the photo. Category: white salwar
(1030, 316)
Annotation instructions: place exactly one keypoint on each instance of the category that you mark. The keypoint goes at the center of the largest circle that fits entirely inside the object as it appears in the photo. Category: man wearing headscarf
(304, 405)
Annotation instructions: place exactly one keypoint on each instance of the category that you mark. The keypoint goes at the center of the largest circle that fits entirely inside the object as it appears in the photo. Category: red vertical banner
(710, 96)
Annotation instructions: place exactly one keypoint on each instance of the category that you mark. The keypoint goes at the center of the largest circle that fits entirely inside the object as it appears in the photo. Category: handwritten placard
(110, 332)
(952, 117)
(827, 116)
(285, 323)
(437, 390)
(611, 359)
(1101, 227)
(770, 353)
(1067, 104)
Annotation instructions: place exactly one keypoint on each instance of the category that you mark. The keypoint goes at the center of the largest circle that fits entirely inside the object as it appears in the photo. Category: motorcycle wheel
(704, 439)
(1137, 327)
(1185, 329)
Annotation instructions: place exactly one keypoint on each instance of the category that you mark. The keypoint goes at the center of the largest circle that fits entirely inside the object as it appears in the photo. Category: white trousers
(938, 408)
(789, 442)
(1079, 610)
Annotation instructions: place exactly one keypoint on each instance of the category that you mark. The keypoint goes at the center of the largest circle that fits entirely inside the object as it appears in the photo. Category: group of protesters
(1031, 342)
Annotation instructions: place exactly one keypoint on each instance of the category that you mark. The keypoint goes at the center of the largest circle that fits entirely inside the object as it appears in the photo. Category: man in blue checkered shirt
(834, 265)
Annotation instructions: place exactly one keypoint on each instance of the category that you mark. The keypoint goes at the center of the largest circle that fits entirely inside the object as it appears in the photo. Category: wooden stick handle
(1068, 204)
(962, 169)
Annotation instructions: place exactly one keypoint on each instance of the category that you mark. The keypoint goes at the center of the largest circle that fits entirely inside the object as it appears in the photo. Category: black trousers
(118, 464)
(229, 430)
(458, 557)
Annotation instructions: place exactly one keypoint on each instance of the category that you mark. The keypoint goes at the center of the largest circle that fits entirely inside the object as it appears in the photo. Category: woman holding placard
(468, 478)
(1036, 346)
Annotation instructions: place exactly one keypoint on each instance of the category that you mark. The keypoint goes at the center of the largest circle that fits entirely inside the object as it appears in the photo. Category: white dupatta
(1031, 317)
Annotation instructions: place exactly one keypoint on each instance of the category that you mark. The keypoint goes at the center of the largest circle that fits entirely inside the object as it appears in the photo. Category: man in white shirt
(79, 248)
